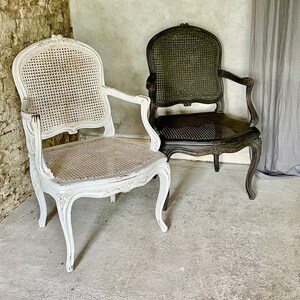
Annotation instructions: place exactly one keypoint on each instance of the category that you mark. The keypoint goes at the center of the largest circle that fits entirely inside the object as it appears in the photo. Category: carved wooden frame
(202, 147)
(65, 194)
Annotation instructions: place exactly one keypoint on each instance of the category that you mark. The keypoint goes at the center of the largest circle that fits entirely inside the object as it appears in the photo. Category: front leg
(165, 181)
(255, 147)
(112, 198)
(64, 205)
(39, 195)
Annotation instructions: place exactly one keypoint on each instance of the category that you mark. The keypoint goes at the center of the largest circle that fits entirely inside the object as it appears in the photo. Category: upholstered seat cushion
(202, 127)
(97, 158)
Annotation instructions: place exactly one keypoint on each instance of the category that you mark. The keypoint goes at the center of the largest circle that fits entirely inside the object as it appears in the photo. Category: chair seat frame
(218, 147)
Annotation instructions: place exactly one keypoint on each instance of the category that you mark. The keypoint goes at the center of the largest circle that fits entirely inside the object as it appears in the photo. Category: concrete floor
(220, 245)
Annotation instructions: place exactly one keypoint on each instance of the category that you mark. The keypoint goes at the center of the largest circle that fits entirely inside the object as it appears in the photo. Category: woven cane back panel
(113, 158)
(186, 61)
(63, 83)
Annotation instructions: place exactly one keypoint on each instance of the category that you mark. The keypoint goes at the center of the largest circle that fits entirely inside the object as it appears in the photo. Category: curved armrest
(32, 126)
(249, 83)
(145, 104)
(151, 83)
(151, 87)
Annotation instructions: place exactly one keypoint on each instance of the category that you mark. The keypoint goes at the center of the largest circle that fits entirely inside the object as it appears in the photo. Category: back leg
(168, 154)
(166, 202)
(216, 162)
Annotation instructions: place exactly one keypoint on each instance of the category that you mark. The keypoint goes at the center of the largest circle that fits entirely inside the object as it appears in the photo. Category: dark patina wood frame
(202, 147)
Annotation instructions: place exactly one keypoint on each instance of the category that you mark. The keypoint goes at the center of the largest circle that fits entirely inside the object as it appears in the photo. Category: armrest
(26, 115)
(32, 127)
(151, 83)
(151, 87)
(145, 104)
(249, 83)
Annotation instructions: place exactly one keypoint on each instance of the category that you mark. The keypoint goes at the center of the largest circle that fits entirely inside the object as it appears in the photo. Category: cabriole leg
(166, 202)
(255, 156)
(168, 154)
(112, 199)
(39, 195)
(64, 206)
(217, 162)
(165, 181)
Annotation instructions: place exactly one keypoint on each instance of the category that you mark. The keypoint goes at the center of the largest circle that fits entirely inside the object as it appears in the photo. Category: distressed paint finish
(102, 182)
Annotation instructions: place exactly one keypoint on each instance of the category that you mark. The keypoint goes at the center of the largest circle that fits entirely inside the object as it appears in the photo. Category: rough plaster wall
(120, 31)
(22, 22)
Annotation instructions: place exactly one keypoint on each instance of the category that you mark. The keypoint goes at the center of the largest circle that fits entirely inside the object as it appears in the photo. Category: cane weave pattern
(63, 83)
(186, 62)
(201, 132)
(101, 158)
(201, 127)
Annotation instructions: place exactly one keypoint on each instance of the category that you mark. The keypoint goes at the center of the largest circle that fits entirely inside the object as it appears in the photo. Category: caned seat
(203, 126)
(61, 85)
(113, 158)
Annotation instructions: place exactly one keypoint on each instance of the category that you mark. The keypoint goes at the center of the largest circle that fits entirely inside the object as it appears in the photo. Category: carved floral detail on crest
(57, 39)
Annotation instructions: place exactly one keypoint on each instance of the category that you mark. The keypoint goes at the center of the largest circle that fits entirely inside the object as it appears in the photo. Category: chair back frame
(178, 52)
(90, 108)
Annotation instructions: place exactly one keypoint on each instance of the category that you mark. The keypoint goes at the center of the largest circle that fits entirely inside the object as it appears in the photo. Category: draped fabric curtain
(275, 67)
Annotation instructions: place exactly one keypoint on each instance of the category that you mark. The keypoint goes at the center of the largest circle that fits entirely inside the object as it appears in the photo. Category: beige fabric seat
(61, 85)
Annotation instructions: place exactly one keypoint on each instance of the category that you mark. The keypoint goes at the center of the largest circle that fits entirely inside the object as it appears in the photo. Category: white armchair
(61, 85)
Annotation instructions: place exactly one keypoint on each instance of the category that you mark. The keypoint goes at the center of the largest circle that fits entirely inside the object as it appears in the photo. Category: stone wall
(23, 22)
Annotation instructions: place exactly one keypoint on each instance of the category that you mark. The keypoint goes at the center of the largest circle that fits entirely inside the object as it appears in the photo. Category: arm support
(249, 83)
(32, 126)
(151, 87)
(150, 83)
(144, 102)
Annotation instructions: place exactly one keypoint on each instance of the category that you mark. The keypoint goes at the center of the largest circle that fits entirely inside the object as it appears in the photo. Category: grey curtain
(275, 67)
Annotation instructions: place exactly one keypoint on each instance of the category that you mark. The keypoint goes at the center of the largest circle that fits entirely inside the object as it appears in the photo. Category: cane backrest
(62, 79)
(185, 62)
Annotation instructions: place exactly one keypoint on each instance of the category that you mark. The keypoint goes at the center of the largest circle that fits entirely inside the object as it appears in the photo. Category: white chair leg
(39, 195)
(113, 198)
(64, 206)
(165, 181)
